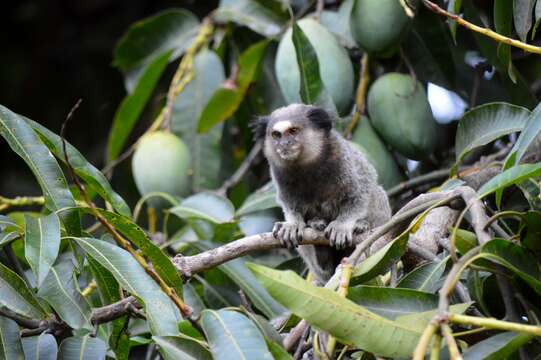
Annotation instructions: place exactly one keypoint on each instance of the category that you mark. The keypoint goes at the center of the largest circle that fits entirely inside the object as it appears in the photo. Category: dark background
(56, 52)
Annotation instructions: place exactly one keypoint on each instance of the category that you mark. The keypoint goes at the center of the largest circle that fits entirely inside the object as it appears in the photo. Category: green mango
(335, 68)
(161, 164)
(378, 26)
(400, 113)
(368, 142)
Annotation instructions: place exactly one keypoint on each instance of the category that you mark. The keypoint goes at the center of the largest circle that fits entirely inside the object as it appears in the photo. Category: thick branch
(99, 316)
(115, 310)
(189, 265)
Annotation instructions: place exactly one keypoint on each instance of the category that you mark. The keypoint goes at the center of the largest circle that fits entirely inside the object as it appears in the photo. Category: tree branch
(481, 30)
(189, 265)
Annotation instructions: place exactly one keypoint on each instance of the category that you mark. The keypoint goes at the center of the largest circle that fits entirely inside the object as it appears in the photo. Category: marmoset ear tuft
(320, 118)
(259, 127)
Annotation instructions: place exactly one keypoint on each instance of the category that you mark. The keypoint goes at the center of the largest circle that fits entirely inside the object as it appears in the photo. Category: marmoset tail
(323, 182)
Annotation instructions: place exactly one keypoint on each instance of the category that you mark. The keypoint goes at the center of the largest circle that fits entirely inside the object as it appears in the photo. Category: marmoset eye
(276, 134)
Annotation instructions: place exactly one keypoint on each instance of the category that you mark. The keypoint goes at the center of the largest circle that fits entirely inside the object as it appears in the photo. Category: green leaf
(257, 222)
(24, 141)
(425, 277)
(236, 270)
(531, 191)
(150, 38)
(41, 347)
(537, 18)
(527, 136)
(109, 291)
(192, 299)
(503, 12)
(160, 261)
(181, 347)
(162, 314)
(17, 297)
(454, 7)
(85, 347)
(41, 244)
(264, 198)
(205, 149)
(522, 15)
(379, 262)
(486, 123)
(278, 352)
(418, 321)
(205, 206)
(10, 340)
(232, 336)
(311, 83)
(131, 107)
(7, 222)
(515, 258)
(465, 240)
(512, 176)
(225, 101)
(61, 292)
(7, 237)
(392, 302)
(254, 14)
(92, 176)
(531, 232)
(500, 346)
(342, 318)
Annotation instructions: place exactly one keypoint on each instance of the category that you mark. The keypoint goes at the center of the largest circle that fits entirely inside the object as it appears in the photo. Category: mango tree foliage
(189, 269)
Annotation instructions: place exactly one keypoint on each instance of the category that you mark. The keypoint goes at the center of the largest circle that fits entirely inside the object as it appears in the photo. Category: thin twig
(481, 30)
(6, 203)
(496, 324)
(431, 177)
(320, 5)
(424, 341)
(360, 98)
(347, 270)
(242, 169)
(452, 347)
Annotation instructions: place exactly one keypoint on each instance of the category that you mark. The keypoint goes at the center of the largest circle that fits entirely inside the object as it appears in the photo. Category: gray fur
(322, 182)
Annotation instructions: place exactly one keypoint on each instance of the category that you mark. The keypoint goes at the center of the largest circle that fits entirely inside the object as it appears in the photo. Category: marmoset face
(286, 137)
(294, 135)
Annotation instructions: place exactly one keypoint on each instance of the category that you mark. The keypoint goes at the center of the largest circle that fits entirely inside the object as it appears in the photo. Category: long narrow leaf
(40, 347)
(342, 318)
(162, 315)
(16, 296)
(85, 347)
(92, 176)
(61, 292)
(24, 141)
(160, 261)
(233, 336)
(10, 340)
(41, 243)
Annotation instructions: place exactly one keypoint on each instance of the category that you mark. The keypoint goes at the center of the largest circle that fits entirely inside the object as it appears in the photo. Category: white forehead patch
(282, 126)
